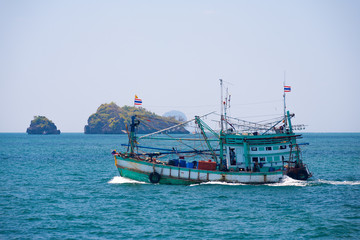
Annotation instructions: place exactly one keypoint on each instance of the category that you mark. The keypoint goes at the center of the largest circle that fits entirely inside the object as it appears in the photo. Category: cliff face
(112, 119)
(42, 125)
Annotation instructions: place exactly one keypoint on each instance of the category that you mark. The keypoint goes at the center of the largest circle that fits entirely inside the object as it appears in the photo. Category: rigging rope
(166, 129)
(165, 134)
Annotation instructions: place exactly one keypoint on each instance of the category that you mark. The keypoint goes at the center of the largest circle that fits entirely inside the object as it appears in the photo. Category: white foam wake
(288, 181)
(339, 182)
(122, 180)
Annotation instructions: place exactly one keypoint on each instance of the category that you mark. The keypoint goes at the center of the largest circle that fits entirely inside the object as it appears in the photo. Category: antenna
(285, 121)
(221, 106)
(226, 103)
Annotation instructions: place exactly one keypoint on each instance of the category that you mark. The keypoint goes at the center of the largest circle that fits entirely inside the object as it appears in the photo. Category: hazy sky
(62, 59)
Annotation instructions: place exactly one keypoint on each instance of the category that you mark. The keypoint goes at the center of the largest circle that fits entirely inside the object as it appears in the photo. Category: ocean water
(67, 187)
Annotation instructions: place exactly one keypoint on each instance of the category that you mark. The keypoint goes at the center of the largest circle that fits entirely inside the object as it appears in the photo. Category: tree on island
(42, 125)
(112, 119)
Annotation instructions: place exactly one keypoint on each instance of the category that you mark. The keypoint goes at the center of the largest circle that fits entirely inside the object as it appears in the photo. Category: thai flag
(287, 89)
(137, 101)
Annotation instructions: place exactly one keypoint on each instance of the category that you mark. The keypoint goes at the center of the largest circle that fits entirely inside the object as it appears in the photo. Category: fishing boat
(240, 152)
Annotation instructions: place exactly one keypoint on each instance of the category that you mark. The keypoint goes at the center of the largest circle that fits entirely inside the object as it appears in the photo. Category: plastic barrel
(182, 163)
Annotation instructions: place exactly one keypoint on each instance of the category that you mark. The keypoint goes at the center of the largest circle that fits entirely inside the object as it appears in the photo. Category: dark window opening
(232, 156)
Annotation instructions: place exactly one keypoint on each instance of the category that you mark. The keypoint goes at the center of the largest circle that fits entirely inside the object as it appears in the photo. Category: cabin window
(232, 156)
(277, 158)
(253, 148)
(262, 159)
(269, 159)
(268, 148)
(255, 159)
(261, 148)
(283, 147)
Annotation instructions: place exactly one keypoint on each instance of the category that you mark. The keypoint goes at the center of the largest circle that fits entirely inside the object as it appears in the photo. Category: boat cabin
(264, 153)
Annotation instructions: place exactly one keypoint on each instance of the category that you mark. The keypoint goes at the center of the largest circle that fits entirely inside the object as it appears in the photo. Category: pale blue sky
(62, 59)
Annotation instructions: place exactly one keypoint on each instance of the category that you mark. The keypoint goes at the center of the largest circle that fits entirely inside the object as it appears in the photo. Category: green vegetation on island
(112, 119)
(42, 125)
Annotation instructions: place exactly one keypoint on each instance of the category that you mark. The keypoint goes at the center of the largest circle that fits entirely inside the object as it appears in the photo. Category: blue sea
(67, 187)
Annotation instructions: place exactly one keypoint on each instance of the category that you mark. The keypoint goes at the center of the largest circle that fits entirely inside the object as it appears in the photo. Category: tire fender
(154, 177)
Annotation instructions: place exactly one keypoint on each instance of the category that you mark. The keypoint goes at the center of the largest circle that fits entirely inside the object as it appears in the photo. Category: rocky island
(112, 119)
(42, 125)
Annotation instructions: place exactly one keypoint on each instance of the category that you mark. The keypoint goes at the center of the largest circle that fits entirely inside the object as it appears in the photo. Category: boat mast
(222, 162)
(201, 125)
(285, 119)
(221, 107)
(132, 136)
(225, 109)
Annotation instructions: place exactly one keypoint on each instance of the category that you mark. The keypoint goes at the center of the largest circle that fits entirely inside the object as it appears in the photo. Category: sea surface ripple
(67, 187)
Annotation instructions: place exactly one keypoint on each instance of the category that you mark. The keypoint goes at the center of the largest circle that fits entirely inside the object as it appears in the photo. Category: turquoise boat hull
(143, 171)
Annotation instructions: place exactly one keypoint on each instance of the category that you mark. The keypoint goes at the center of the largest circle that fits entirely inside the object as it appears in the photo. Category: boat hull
(143, 171)
(299, 173)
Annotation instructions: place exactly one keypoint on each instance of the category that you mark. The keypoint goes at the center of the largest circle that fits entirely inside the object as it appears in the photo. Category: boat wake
(122, 180)
(287, 181)
(338, 182)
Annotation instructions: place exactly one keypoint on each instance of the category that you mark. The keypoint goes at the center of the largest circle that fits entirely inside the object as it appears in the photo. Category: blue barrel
(189, 165)
(182, 163)
(176, 162)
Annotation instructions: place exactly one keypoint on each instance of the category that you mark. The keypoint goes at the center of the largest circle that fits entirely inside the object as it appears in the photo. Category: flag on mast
(287, 88)
(137, 100)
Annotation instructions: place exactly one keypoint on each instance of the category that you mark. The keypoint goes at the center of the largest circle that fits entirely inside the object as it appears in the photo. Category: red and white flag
(137, 101)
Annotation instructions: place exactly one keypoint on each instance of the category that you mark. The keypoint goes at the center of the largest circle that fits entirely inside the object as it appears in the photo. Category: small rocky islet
(42, 125)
